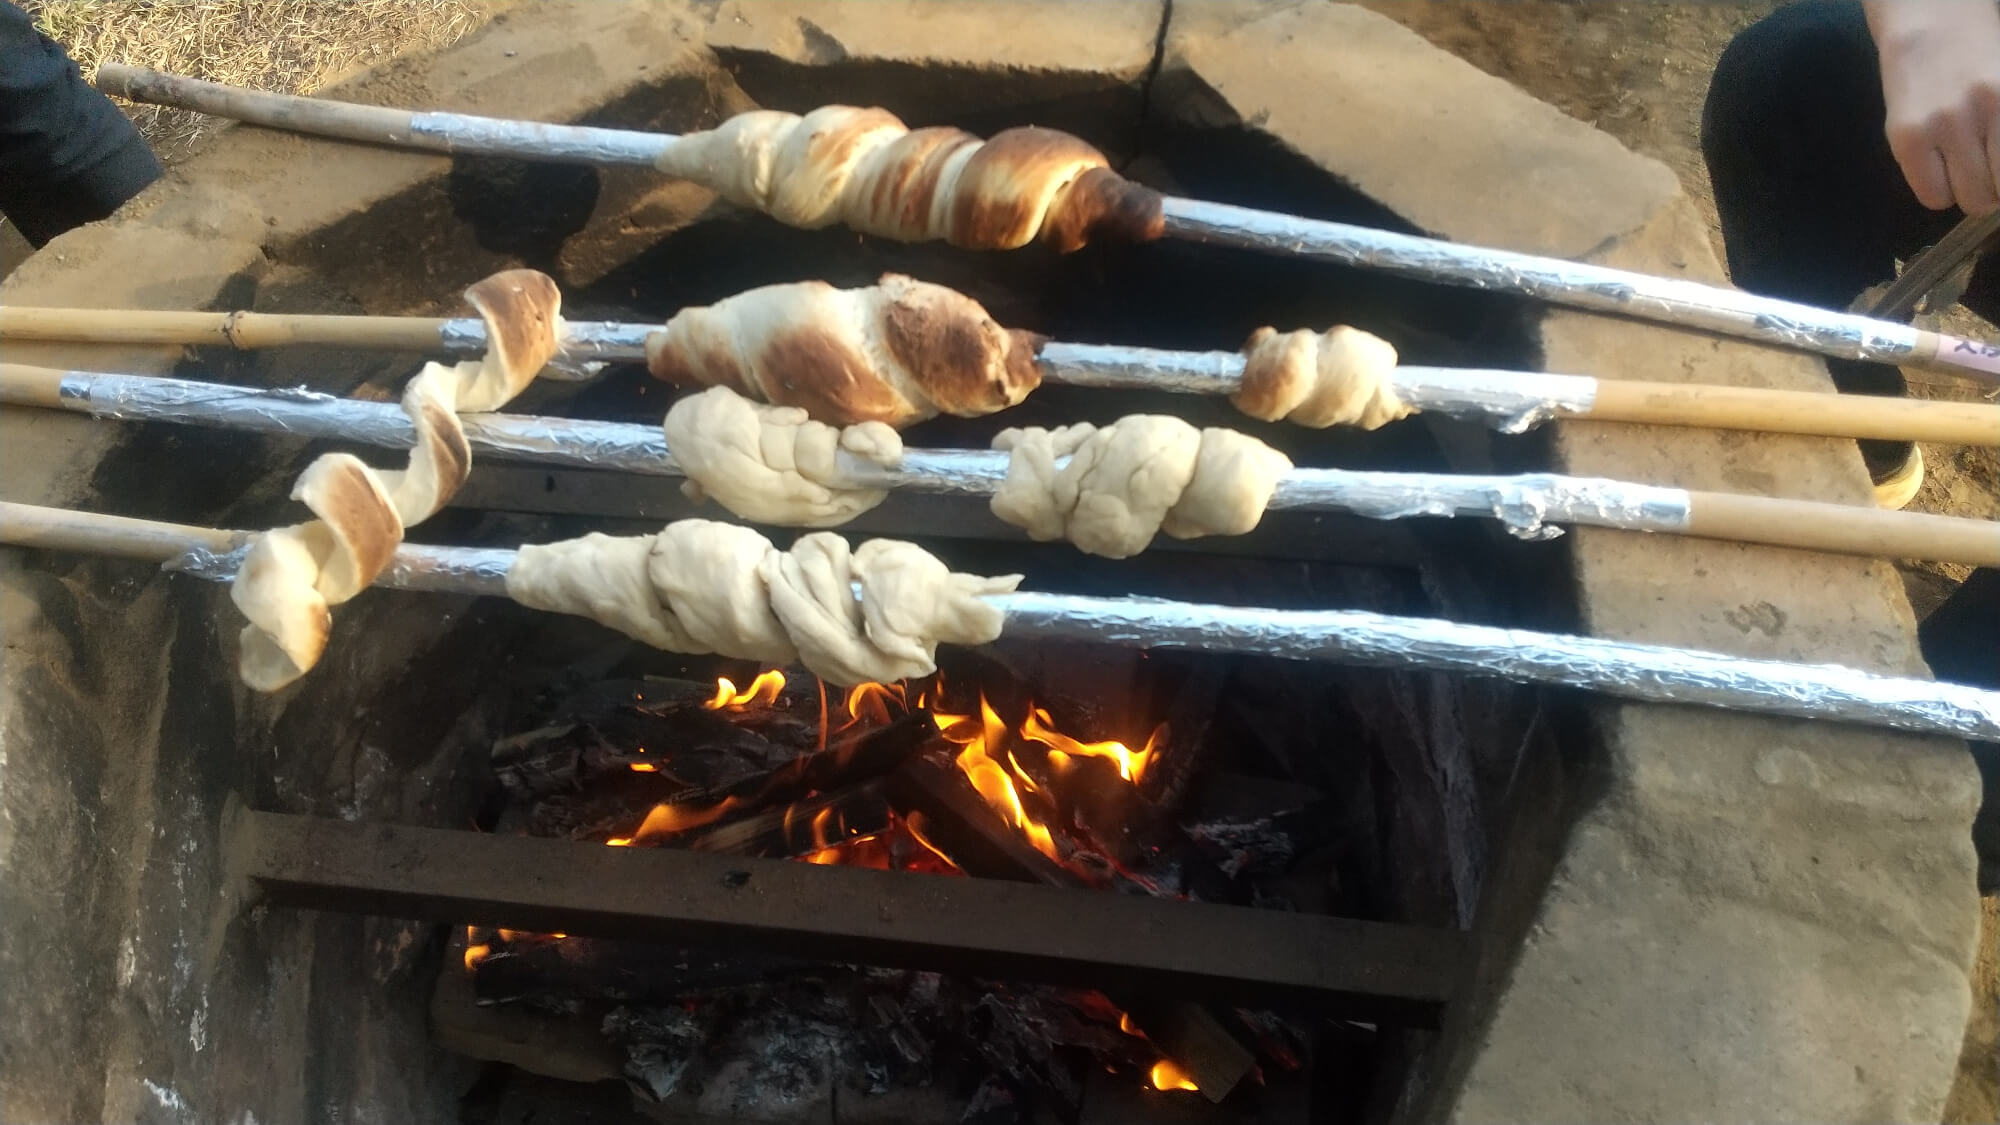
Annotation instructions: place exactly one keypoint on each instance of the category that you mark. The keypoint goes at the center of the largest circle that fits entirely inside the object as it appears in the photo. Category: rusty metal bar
(1359, 970)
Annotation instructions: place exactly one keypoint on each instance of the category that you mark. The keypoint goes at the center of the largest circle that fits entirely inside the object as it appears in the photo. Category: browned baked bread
(898, 351)
(864, 168)
(293, 576)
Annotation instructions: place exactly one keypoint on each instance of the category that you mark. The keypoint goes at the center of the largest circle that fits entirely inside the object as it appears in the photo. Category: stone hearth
(1690, 915)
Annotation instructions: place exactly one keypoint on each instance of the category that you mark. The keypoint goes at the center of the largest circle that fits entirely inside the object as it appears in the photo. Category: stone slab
(1453, 150)
(1112, 38)
(1756, 919)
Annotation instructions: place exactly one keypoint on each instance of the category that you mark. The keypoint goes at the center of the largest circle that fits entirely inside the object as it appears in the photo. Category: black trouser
(67, 156)
(1815, 209)
(1813, 205)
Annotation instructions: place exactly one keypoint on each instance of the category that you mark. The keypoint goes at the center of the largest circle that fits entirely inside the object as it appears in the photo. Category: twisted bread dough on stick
(293, 576)
(772, 464)
(903, 350)
(701, 586)
(865, 168)
(1339, 378)
(1141, 475)
(897, 352)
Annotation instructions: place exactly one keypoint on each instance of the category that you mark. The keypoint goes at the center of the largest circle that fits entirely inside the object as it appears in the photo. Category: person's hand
(1941, 80)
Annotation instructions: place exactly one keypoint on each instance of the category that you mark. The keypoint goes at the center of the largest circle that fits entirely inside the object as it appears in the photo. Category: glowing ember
(474, 954)
(1131, 765)
(644, 767)
(1166, 1076)
(763, 691)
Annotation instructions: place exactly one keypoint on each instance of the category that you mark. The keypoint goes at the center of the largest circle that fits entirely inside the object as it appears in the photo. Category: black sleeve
(67, 155)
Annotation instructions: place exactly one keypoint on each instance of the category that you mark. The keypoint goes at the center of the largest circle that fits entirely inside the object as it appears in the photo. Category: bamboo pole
(1844, 529)
(1494, 394)
(93, 533)
(1621, 669)
(1794, 412)
(1525, 502)
(242, 330)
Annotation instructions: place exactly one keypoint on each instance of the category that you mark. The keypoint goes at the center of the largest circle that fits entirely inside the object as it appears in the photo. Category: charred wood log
(550, 973)
(616, 793)
(800, 828)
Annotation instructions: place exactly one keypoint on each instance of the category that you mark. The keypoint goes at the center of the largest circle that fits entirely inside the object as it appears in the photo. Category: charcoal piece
(1194, 696)
(1282, 1042)
(580, 968)
(1016, 1046)
(1246, 847)
(993, 1103)
(772, 1058)
(660, 1044)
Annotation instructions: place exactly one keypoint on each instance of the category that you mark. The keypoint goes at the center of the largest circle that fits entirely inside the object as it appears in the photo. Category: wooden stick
(1648, 403)
(1843, 529)
(1795, 412)
(242, 330)
(61, 529)
(1664, 300)
(1525, 501)
(1624, 669)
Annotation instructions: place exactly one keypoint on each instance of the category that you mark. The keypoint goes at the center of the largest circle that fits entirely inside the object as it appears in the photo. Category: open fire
(1022, 789)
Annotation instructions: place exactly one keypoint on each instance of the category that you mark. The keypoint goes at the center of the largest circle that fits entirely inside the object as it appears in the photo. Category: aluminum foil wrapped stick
(1531, 505)
(904, 350)
(1620, 669)
(862, 167)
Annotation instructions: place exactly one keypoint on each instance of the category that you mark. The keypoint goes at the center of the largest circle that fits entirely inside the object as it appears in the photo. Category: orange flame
(1166, 1076)
(874, 703)
(644, 767)
(670, 819)
(1130, 764)
(914, 823)
(763, 691)
(474, 954)
(989, 777)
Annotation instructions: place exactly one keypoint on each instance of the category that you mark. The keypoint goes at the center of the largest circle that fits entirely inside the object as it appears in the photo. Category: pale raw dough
(709, 574)
(773, 464)
(1338, 378)
(1234, 477)
(1125, 483)
(702, 586)
(602, 577)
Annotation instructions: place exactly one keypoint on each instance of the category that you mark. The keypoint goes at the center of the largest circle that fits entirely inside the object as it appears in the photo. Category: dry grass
(290, 46)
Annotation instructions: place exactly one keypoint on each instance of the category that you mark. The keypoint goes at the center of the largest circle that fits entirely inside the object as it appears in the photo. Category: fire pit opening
(1258, 783)
(1312, 795)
